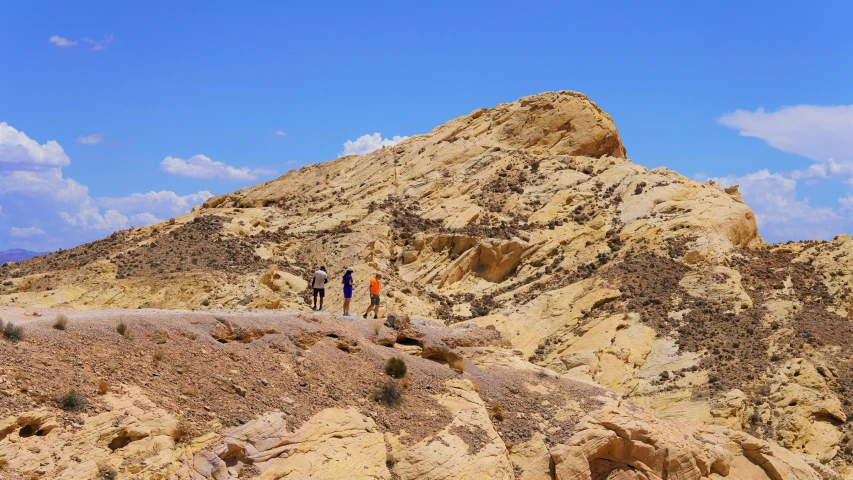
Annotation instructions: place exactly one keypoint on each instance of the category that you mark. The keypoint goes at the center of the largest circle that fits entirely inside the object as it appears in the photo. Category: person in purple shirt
(348, 283)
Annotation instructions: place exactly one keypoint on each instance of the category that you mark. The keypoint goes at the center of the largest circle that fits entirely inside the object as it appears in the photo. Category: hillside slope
(529, 218)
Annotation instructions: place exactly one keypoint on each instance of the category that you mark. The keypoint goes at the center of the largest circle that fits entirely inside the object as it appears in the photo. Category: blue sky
(153, 106)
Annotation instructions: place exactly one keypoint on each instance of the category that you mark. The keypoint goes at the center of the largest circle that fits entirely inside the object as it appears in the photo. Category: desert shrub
(396, 367)
(376, 327)
(107, 472)
(388, 393)
(121, 328)
(181, 433)
(158, 355)
(457, 364)
(1, 324)
(72, 401)
(12, 332)
(103, 387)
(61, 322)
(496, 412)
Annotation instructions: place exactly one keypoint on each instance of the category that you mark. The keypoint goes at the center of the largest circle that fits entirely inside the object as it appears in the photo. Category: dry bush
(496, 412)
(107, 472)
(406, 382)
(189, 390)
(24, 387)
(388, 393)
(457, 364)
(376, 327)
(476, 385)
(182, 432)
(12, 332)
(103, 387)
(72, 401)
(158, 355)
(121, 328)
(395, 367)
(61, 322)
(1, 324)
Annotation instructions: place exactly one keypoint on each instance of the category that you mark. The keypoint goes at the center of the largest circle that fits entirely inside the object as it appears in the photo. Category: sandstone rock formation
(527, 229)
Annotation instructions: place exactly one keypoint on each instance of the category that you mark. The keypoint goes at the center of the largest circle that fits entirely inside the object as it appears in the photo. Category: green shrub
(13, 332)
(395, 367)
(72, 401)
(121, 328)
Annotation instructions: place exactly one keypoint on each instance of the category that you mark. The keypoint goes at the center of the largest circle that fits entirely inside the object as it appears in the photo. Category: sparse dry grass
(24, 387)
(182, 432)
(158, 355)
(457, 364)
(61, 322)
(476, 385)
(121, 328)
(103, 387)
(189, 390)
(376, 327)
(496, 412)
(406, 382)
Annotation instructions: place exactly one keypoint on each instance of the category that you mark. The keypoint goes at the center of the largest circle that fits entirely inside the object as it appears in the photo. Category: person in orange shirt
(374, 296)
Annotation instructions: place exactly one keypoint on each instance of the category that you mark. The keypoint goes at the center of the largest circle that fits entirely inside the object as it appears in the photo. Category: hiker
(348, 284)
(374, 296)
(320, 279)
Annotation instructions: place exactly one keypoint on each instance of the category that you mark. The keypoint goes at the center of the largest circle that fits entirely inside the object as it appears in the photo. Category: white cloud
(280, 133)
(813, 131)
(780, 214)
(158, 204)
(26, 232)
(62, 42)
(20, 152)
(92, 139)
(368, 143)
(100, 44)
(200, 166)
(823, 134)
(34, 191)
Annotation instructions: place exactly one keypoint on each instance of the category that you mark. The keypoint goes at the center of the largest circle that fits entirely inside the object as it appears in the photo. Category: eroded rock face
(617, 444)
(134, 436)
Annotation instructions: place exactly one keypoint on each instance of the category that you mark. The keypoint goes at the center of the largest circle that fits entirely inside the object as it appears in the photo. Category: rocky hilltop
(627, 323)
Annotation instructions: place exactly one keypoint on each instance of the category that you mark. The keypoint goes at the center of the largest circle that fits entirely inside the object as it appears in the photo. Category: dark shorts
(347, 292)
(320, 291)
(374, 299)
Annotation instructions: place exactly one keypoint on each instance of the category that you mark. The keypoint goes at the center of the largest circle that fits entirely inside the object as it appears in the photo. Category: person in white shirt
(319, 284)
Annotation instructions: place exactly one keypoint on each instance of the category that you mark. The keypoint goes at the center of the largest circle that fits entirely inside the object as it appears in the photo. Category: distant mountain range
(17, 255)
